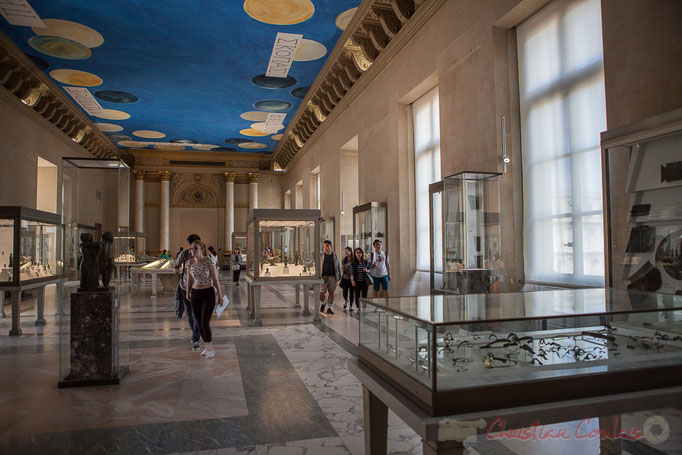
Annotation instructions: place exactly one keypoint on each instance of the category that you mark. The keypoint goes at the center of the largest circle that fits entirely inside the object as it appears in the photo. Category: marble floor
(278, 389)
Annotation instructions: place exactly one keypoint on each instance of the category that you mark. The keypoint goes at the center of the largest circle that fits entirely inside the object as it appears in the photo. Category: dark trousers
(348, 291)
(235, 275)
(360, 290)
(203, 303)
(193, 323)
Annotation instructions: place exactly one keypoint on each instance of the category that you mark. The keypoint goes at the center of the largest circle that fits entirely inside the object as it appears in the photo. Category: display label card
(274, 122)
(19, 12)
(283, 54)
(84, 98)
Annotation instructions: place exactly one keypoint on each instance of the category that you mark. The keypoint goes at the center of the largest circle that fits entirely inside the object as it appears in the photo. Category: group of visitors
(354, 275)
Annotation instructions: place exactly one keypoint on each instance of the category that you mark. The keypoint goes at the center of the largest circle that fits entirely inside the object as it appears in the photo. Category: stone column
(139, 200)
(164, 222)
(253, 191)
(229, 209)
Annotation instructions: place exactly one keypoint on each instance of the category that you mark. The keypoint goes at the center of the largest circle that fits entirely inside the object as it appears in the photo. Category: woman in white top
(202, 282)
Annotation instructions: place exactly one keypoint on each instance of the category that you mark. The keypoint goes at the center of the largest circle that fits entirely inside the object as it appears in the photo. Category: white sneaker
(210, 354)
(204, 352)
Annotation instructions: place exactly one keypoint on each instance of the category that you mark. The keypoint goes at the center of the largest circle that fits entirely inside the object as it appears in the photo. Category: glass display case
(95, 192)
(466, 234)
(370, 222)
(30, 246)
(643, 193)
(327, 224)
(238, 241)
(131, 247)
(283, 244)
(485, 351)
(161, 269)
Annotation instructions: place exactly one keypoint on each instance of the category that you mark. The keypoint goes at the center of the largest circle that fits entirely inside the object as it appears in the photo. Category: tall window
(426, 167)
(561, 87)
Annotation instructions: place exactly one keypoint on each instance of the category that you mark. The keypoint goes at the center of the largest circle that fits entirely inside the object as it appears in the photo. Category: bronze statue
(90, 264)
(106, 258)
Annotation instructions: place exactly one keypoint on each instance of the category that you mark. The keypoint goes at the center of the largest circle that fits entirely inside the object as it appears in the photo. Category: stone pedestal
(93, 340)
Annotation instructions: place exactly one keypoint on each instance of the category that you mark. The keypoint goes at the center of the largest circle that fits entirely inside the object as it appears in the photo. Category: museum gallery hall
(341, 227)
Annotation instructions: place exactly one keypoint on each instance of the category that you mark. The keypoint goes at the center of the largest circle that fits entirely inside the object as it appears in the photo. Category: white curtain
(561, 87)
(426, 169)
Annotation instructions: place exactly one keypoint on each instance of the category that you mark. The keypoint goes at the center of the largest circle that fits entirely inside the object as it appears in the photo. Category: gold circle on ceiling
(280, 12)
(149, 134)
(310, 50)
(204, 147)
(132, 144)
(252, 132)
(70, 30)
(261, 126)
(255, 116)
(252, 145)
(276, 137)
(109, 127)
(75, 77)
(343, 19)
(113, 114)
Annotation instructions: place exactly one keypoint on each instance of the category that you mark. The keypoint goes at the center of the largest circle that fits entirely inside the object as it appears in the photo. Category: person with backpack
(380, 269)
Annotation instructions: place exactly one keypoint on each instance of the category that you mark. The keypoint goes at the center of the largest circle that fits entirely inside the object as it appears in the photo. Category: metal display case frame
(465, 220)
(470, 353)
(254, 241)
(642, 181)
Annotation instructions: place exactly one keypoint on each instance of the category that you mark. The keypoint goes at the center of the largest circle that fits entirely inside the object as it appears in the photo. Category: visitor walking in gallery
(202, 284)
(380, 270)
(346, 272)
(180, 268)
(213, 256)
(236, 265)
(164, 255)
(330, 274)
(179, 253)
(357, 278)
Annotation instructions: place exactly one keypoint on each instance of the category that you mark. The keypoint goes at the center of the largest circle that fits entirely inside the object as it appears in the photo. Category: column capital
(253, 177)
(165, 176)
(230, 176)
(139, 175)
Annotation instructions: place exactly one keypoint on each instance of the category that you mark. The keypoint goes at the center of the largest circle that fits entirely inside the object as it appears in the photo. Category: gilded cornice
(152, 160)
(377, 31)
(20, 77)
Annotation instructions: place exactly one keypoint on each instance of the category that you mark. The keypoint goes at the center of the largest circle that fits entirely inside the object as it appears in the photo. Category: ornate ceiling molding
(20, 77)
(379, 29)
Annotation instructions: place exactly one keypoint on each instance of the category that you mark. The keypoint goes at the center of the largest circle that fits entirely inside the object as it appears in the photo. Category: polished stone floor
(278, 389)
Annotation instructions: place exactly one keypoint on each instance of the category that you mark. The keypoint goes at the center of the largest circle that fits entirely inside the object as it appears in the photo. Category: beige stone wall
(642, 58)
(24, 136)
(466, 49)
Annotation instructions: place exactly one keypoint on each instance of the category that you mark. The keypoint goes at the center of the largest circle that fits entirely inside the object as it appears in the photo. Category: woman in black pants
(235, 265)
(357, 279)
(346, 273)
(202, 283)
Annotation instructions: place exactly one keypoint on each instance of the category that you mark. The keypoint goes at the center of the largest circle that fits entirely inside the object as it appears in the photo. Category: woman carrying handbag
(236, 265)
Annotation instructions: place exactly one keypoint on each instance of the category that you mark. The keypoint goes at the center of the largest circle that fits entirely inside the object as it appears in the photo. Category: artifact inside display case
(370, 222)
(466, 234)
(482, 350)
(644, 193)
(35, 255)
(131, 247)
(282, 244)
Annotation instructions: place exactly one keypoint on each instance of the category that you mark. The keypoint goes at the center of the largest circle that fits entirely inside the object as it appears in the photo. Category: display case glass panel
(370, 222)
(467, 234)
(131, 246)
(480, 351)
(283, 244)
(644, 195)
(95, 192)
(30, 246)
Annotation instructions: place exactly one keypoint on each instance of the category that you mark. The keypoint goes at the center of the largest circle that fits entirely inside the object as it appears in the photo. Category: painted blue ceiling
(186, 68)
